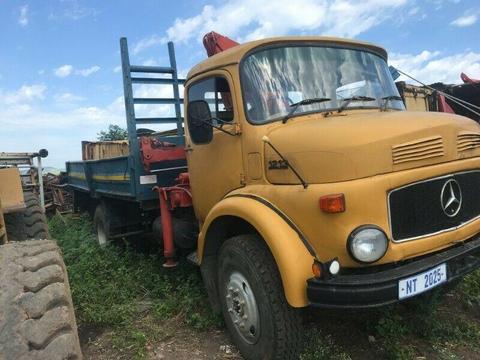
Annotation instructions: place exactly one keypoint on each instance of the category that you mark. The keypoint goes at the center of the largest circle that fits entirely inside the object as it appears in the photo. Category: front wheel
(260, 321)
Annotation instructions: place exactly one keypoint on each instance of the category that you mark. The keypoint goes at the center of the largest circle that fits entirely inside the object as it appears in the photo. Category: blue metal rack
(138, 77)
(121, 176)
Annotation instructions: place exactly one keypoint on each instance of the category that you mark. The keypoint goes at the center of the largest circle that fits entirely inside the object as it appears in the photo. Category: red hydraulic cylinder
(167, 230)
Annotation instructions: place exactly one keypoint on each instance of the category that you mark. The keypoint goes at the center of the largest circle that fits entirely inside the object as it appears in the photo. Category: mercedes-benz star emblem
(451, 198)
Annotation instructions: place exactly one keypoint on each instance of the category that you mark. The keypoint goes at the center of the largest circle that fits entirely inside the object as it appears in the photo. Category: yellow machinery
(21, 195)
(11, 197)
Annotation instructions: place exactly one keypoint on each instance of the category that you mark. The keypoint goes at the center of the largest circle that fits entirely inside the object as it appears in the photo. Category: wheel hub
(242, 307)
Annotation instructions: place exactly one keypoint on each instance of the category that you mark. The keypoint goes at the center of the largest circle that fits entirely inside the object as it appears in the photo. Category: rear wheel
(37, 320)
(260, 321)
(29, 224)
(101, 225)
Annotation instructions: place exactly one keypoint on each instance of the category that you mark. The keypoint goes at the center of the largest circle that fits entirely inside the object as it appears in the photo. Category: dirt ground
(182, 343)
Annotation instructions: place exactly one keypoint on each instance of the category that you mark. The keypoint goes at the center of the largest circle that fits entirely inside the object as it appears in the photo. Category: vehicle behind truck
(297, 179)
(37, 319)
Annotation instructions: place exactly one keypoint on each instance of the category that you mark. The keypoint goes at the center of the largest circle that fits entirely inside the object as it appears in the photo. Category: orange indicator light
(332, 203)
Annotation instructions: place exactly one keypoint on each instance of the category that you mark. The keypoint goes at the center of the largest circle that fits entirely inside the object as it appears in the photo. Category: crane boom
(215, 43)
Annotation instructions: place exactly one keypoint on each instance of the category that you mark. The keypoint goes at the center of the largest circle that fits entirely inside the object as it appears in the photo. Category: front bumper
(376, 286)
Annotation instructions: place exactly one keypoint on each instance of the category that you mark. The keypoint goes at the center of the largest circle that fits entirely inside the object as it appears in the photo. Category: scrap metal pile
(57, 198)
(462, 99)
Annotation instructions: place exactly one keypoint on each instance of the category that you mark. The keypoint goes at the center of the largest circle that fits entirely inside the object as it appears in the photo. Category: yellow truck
(309, 182)
(37, 318)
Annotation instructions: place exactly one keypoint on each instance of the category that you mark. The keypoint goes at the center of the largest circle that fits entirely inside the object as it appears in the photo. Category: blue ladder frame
(136, 168)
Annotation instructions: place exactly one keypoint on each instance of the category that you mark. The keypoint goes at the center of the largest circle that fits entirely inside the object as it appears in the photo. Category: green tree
(114, 132)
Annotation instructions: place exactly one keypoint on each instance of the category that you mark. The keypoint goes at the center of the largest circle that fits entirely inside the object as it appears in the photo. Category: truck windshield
(275, 78)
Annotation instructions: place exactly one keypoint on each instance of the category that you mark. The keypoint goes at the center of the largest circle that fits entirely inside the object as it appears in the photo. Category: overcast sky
(60, 80)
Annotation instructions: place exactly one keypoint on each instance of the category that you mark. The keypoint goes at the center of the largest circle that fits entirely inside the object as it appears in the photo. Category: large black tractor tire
(29, 224)
(261, 322)
(37, 320)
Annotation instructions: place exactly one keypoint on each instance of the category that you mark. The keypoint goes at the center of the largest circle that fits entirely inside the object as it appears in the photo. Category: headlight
(367, 244)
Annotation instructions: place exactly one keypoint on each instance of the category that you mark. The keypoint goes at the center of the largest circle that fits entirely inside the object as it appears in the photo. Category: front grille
(416, 209)
(420, 149)
(468, 141)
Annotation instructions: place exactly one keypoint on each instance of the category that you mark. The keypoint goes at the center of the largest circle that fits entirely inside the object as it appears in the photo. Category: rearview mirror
(350, 90)
(200, 121)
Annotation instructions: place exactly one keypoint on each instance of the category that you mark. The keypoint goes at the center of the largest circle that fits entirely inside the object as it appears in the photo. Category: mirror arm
(222, 129)
(218, 127)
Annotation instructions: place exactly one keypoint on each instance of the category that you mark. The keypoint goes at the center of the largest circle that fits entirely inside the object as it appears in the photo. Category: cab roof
(235, 54)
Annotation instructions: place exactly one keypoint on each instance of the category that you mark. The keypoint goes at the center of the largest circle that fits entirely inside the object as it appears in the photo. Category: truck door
(214, 161)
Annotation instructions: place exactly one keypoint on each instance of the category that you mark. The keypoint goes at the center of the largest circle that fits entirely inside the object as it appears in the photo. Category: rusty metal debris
(57, 198)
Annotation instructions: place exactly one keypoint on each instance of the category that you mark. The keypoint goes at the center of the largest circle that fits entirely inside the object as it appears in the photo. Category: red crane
(215, 43)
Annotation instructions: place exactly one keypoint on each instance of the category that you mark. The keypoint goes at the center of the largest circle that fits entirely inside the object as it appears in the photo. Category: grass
(322, 347)
(470, 288)
(115, 285)
(396, 333)
(129, 294)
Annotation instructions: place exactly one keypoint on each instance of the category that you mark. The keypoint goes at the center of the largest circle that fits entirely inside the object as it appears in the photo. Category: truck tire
(101, 225)
(37, 320)
(261, 322)
(29, 224)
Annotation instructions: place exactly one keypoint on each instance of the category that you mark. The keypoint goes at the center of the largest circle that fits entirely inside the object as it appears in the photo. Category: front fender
(292, 254)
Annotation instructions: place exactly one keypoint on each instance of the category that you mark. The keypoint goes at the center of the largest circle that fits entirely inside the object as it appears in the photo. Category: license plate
(420, 283)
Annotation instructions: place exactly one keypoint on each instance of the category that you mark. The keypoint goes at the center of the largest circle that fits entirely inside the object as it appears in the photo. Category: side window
(216, 92)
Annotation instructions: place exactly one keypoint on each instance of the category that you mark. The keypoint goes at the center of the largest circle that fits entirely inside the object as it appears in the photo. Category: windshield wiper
(387, 99)
(295, 106)
(347, 101)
